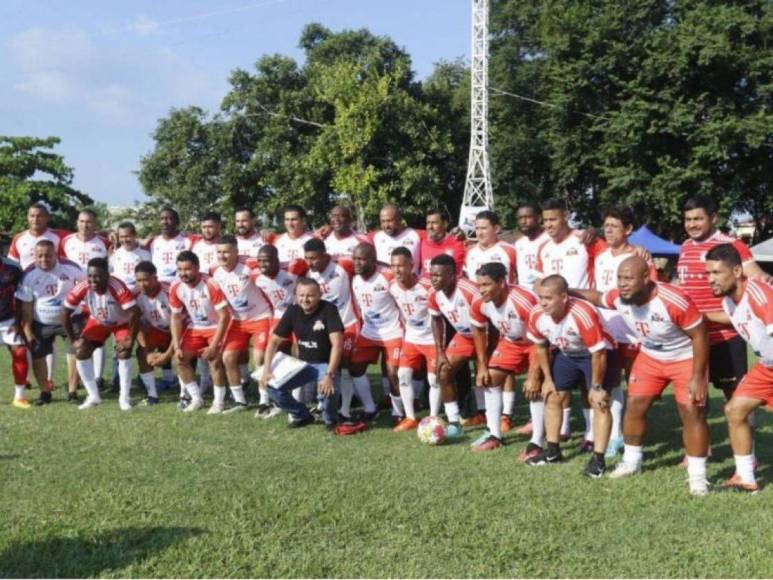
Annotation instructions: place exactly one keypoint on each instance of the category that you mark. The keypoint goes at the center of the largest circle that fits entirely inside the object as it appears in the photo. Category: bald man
(674, 349)
(393, 234)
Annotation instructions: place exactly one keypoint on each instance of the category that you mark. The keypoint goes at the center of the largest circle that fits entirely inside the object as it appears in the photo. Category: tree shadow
(79, 556)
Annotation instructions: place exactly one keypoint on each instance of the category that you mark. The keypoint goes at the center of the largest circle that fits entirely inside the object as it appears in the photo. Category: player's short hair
(171, 210)
(556, 281)
(344, 207)
(488, 215)
(212, 216)
(41, 206)
(402, 251)
(88, 211)
(726, 253)
(315, 245)
(438, 211)
(45, 242)
(145, 267)
(443, 260)
(306, 281)
(243, 209)
(128, 226)
(187, 256)
(532, 205)
(703, 202)
(494, 270)
(99, 263)
(623, 213)
(294, 207)
(270, 250)
(554, 203)
(228, 240)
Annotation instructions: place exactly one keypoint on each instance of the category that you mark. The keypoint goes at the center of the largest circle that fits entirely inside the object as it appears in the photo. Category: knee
(734, 412)
(404, 376)
(231, 358)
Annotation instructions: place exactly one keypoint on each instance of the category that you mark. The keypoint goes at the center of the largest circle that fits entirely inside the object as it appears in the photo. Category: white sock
(264, 398)
(508, 403)
(244, 371)
(744, 467)
(632, 455)
(168, 375)
(405, 380)
(99, 362)
(537, 412)
(452, 411)
(397, 406)
(480, 399)
(565, 427)
(587, 414)
(362, 388)
(149, 380)
(86, 373)
(193, 391)
(347, 392)
(616, 409)
(696, 468)
(386, 386)
(50, 365)
(418, 388)
(219, 399)
(125, 378)
(183, 389)
(238, 393)
(493, 410)
(298, 394)
(19, 392)
(435, 397)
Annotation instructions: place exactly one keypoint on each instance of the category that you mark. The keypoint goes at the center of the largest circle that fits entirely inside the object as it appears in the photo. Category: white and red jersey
(457, 307)
(22, 249)
(335, 282)
(580, 332)
(752, 317)
(343, 247)
(206, 252)
(414, 311)
(499, 253)
(81, 251)
(164, 251)
(378, 310)
(123, 262)
(280, 290)
(249, 246)
(247, 301)
(570, 258)
(110, 308)
(201, 301)
(156, 310)
(659, 325)
(48, 290)
(694, 280)
(408, 238)
(290, 249)
(526, 251)
(510, 318)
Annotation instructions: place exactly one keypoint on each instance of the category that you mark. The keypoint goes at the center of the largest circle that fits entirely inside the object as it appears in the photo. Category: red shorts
(461, 347)
(411, 356)
(156, 339)
(757, 384)
(366, 350)
(98, 333)
(626, 352)
(512, 357)
(650, 377)
(350, 337)
(241, 331)
(196, 339)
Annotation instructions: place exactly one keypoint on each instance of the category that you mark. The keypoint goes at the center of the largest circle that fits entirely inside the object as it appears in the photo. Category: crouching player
(507, 308)
(573, 347)
(749, 305)
(112, 311)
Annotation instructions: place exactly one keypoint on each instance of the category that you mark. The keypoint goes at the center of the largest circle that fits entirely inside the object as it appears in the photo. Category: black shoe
(368, 417)
(316, 412)
(73, 398)
(101, 384)
(345, 419)
(331, 427)
(302, 423)
(596, 466)
(545, 458)
(43, 399)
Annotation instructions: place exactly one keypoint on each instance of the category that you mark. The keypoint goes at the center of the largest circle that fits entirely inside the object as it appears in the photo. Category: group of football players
(452, 322)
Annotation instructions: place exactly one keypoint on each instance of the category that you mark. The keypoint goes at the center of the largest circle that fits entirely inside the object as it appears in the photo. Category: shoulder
(760, 292)
(583, 311)
(673, 296)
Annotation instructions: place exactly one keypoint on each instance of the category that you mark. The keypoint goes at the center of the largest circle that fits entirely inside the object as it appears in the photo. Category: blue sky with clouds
(100, 74)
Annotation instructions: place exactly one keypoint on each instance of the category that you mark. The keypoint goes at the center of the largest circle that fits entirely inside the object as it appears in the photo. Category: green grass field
(158, 493)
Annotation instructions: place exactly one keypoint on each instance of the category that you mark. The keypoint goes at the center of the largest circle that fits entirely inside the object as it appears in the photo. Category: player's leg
(446, 379)
(219, 381)
(147, 375)
(508, 403)
(39, 350)
(85, 365)
(123, 351)
(358, 367)
(625, 355)
(737, 412)
(193, 342)
(695, 436)
(410, 361)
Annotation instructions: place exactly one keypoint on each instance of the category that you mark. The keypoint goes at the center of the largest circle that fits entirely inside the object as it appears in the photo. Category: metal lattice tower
(477, 187)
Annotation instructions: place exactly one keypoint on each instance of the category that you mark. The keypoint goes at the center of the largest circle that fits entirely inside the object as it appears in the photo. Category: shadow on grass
(88, 556)
(9, 456)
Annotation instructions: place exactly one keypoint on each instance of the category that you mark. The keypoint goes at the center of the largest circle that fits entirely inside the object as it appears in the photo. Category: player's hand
(209, 353)
(587, 237)
(766, 278)
(598, 399)
(78, 343)
(482, 378)
(326, 388)
(442, 361)
(178, 354)
(266, 236)
(324, 231)
(265, 378)
(123, 347)
(458, 233)
(532, 389)
(548, 388)
(642, 253)
(698, 389)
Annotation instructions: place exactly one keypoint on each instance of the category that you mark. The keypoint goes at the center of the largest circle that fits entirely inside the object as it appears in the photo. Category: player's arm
(543, 362)
(592, 296)
(698, 385)
(69, 329)
(480, 339)
(719, 317)
(212, 351)
(134, 328)
(439, 335)
(752, 270)
(326, 385)
(176, 328)
(598, 361)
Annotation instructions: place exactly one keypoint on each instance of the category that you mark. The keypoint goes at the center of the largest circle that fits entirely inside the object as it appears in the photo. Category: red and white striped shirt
(457, 307)
(510, 318)
(110, 308)
(752, 317)
(201, 301)
(580, 332)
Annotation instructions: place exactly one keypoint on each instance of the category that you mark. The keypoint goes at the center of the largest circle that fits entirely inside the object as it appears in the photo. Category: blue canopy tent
(655, 245)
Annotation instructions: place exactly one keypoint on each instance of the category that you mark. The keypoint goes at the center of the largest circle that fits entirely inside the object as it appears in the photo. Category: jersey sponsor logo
(319, 326)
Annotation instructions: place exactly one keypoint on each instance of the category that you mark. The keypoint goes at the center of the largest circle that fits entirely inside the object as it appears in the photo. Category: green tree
(30, 172)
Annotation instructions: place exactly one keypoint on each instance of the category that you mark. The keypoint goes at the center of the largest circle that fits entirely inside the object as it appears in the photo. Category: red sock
(19, 364)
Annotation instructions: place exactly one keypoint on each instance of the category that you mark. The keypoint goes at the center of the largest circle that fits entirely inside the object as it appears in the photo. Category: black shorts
(728, 363)
(45, 334)
(570, 372)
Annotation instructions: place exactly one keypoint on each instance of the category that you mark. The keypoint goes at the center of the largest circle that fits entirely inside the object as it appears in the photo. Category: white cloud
(144, 26)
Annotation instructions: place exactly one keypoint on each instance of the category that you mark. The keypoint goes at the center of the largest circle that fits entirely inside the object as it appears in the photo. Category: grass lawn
(158, 493)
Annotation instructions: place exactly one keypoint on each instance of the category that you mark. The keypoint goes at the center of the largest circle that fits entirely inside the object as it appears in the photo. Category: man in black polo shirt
(318, 331)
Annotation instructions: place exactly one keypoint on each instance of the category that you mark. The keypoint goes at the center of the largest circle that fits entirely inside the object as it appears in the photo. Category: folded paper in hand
(283, 368)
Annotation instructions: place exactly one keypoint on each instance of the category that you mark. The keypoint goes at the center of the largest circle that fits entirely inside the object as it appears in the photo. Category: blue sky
(100, 74)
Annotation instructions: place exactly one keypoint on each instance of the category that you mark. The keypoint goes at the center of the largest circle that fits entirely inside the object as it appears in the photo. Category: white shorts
(7, 334)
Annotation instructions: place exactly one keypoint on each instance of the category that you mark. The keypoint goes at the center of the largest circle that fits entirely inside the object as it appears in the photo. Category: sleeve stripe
(694, 324)
(756, 292)
(578, 310)
(671, 296)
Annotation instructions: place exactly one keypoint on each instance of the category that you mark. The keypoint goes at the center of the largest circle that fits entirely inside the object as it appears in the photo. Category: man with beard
(439, 241)
(205, 246)
(247, 236)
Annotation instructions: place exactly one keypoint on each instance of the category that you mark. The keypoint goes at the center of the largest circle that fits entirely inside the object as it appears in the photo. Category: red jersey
(449, 245)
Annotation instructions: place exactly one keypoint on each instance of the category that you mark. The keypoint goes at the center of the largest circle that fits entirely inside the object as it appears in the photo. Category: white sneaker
(89, 403)
(272, 412)
(125, 405)
(625, 470)
(237, 408)
(215, 410)
(193, 406)
(699, 487)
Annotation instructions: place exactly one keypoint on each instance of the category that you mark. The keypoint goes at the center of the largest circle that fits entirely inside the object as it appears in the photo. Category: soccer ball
(432, 431)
